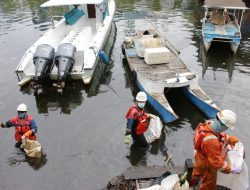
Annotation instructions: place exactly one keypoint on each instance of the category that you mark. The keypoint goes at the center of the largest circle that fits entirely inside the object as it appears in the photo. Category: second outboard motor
(65, 60)
(43, 59)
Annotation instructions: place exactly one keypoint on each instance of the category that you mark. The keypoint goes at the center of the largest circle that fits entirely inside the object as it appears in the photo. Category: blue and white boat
(222, 22)
(71, 48)
(156, 67)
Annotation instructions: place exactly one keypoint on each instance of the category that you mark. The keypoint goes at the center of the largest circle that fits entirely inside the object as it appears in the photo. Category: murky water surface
(82, 130)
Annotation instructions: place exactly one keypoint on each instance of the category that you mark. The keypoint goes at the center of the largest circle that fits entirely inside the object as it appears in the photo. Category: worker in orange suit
(25, 125)
(211, 144)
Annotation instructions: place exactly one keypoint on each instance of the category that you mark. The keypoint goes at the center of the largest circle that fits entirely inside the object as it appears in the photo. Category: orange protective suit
(209, 158)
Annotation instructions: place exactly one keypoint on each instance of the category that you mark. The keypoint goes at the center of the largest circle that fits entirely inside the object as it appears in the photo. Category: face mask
(217, 126)
(141, 104)
(21, 115)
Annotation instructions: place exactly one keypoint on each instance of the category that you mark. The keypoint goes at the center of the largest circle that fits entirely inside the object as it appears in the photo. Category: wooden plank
(159, 72)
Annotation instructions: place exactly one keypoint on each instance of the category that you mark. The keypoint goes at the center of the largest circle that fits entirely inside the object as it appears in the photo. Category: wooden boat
(72, 47)
(156, 66)
(222, 22)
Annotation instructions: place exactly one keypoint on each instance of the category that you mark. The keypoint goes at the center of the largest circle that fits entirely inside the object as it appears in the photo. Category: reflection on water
(102, 75)
(138, 155)
(36, 163)
(20, 157)
(48, 99)
(180, 104)
(219, 57)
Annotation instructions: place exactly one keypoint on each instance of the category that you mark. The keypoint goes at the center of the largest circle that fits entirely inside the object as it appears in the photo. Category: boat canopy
(229, 4)
(53, 3)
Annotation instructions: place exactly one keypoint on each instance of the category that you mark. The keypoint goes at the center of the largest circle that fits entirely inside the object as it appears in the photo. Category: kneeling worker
(25, 125)
(137, 120)
(210, 143)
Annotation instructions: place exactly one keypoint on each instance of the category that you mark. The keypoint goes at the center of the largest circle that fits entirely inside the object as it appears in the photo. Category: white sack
(32, 148)
(184, 186)
(154, 187)
(235, 181)
(169, 182)
(236, 155)
(154, 129)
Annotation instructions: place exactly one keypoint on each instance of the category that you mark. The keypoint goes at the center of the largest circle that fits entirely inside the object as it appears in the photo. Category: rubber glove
(128, 131)
(28, 134)
(236, 170)
(127, 139)
(151, 116)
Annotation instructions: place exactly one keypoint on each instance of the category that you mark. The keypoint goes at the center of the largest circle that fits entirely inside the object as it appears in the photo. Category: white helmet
(141, 97)
(228, 118)
(22, 107)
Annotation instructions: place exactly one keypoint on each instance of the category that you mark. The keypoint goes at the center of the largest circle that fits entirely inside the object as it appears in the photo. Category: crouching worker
(137, 120)
(211, 144)
(25, 125)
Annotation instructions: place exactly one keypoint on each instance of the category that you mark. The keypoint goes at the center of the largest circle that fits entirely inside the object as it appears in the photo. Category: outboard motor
(64, 60)
(43, 59)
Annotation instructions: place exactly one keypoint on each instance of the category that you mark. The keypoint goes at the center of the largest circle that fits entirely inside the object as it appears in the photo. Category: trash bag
(235, 181)
(171, 182)
(236, 155)
(127, 139)
(154, 187)
(154, 129)
(184, 186)
(32, 148)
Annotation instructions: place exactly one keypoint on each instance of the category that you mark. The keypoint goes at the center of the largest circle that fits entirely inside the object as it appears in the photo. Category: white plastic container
(156, 55)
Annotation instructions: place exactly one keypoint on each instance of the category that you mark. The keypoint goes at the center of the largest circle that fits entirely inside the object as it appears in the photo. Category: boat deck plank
(159, 72)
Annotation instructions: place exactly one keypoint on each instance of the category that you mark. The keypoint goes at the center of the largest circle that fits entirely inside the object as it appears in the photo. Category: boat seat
(80, 37)
(131, 52)
(73, 15)
(231, 29)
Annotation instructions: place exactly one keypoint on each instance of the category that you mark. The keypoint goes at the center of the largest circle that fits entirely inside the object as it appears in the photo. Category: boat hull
(207, 107)
(166, 113)
(206, 44)
(233, 46)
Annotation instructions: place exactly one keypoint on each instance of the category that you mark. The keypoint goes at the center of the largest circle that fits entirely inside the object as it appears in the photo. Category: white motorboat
(72, 47)
(222, 22)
